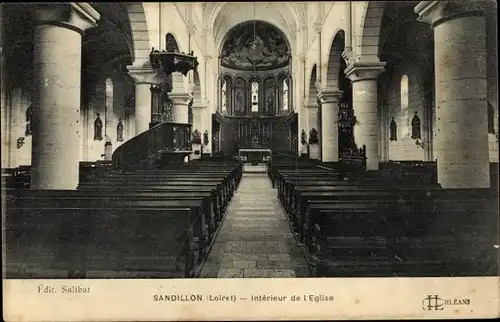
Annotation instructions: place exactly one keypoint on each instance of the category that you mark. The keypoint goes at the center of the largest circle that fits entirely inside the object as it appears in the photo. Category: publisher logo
(433, 303)
(436, 303)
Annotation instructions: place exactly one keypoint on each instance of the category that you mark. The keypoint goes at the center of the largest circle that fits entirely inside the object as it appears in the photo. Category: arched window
(224, 97)
(108, 102)
(285, 95)
(255, 96)
(404, 106)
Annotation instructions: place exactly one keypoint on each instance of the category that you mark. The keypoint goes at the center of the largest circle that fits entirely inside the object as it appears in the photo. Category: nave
(209, 219)
(255, 238)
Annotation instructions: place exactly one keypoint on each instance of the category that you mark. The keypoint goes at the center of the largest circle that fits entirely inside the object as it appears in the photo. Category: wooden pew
(108, 239)
(393, 223)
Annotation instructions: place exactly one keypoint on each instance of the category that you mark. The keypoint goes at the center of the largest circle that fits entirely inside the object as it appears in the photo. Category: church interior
(249, 140)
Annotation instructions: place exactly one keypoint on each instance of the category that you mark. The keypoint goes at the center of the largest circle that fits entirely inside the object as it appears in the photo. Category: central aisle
(255, 238)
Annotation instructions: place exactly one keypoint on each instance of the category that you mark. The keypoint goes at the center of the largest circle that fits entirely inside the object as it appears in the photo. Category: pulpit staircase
(164, 145)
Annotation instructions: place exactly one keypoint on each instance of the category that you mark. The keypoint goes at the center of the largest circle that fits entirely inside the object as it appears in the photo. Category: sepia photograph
(316, 142)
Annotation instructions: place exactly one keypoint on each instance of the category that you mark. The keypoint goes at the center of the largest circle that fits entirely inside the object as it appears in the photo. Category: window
(255, 96)
(108, 102)
(404, 107)
(109, 94)
(285, 95)
(224, 97)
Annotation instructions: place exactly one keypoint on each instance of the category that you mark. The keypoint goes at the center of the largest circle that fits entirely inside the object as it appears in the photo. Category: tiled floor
(255, 239)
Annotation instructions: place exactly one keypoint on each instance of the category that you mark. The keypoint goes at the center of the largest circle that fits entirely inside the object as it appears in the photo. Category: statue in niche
(119, 131)
(239, 101)
(415, 127)
(196, 137)
(98, 128)
(313, 136)
(29, 114)
(269, 104)
(491, 118)
(393, 130)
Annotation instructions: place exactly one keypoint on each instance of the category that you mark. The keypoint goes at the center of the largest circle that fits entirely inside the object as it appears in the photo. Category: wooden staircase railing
(147, 149)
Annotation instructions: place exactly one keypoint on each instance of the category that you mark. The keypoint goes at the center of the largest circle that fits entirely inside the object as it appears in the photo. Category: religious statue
(393, 130)
(270, 104)
(303, 137)
(239, 102)
(29, 114)
(415, 127)
(205, 138)
(119, 131)
(196, 137)
(98, 128)
(313, 136)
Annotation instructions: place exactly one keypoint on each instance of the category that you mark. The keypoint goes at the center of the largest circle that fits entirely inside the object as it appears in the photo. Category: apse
(255, 45)
(255, 88)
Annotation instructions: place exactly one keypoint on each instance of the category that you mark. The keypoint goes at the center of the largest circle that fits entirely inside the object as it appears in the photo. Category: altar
(255, 155)
(255, 160)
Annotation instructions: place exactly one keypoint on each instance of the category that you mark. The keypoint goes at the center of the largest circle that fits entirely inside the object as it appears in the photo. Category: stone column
(56, 96)
(329, 125)
(363, 76)
(144, 77)
(460, 78)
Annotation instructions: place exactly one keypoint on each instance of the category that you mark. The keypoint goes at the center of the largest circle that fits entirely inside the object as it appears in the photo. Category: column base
(196, 155)
(314, 152)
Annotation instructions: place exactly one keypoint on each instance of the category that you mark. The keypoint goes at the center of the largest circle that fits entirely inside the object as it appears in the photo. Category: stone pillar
(363, 76)
(329, 125)
(144, 77)
(460, 78)
(56, 96)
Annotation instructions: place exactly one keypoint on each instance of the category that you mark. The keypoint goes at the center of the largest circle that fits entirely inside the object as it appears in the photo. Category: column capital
(78, 16)
(347, 54)
(179, 98)
(358, 71)
(330, 96)
(146, 75)
(437, 12)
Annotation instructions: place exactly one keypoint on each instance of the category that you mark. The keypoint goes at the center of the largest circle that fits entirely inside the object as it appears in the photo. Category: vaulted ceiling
(223, 16)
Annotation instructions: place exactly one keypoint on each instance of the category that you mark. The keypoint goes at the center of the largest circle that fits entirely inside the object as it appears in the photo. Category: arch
(332, 69)
(271, 95)
(219, 41)
(312, 98)
(226, 96)
(240, 93)
(108, 102)
(371, 25)
(197, 100)
(223, 16)
(139, 30)
(404, 88)
(254, 94)
(231, 43)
